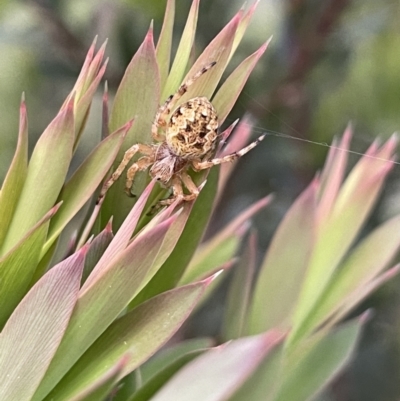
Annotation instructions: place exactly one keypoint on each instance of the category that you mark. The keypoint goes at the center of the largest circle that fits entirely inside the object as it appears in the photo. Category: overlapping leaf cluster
(84, 328)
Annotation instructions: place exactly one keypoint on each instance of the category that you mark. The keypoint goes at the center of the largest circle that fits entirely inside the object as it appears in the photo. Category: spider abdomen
(192, 129)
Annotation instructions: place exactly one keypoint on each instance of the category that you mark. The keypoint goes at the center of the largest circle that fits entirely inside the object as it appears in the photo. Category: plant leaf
(238, 298)
(317, 361)
(219, 249)
(32, 334)
(217, 51)
(164, 43)
(226, 97)
(47, 170)
(16, 175)
(161, 316)
(100, 388)
(157, 381)
(183, 53)
(170, 273)
(103, 299)
(295, 233)
(138, 101)
(219, 372)
(83, 183)
(18, 266)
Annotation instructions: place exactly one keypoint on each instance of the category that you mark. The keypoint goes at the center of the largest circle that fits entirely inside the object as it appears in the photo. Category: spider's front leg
(142, 164)
(144, 149)
(202, 165)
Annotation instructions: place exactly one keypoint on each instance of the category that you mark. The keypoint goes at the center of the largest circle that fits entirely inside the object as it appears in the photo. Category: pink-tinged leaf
(165, 250)
(239, 294)
(333, 173)
(47, 170)
(16, 175)
(103, 299)
(218, 373)
(296, 236)
(122, 237)
(360, 268)
(363, 292)
(18, 266)
(217, 51)
(164, 43)
(148, 389)
(238, 140)
(32, 334)
(243, 24)
(83, 104)
(105, 131)
(337, 232)
(139, 101)
(265, 381)
(171, 353)
(172, 270)
(97, 249)
(102, 386)
(161, 316)
(82, 78)
(183, 52)
(221, 247)
(314, 364)
(81, 186)
(230, 90)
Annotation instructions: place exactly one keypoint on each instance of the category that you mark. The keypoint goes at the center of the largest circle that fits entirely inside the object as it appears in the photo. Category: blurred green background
(330, 62)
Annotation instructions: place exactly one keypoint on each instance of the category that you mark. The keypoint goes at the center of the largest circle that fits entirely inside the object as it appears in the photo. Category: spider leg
(190, 185)
(145, 149)
(201, 165)
(142, 164)
(165, 109)
(177, 190)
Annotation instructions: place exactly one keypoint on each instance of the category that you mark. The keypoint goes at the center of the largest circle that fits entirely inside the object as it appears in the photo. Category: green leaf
(122, 238)
(162, 359)
(183, 53)
(243, 24)
(221, 248)
(360, 268)
(32, 334)
(137, 97)
(171, 271)
(47, 170)
(296, 233)
(18, 266)
(314, 363)
(164, 44)
(338, 230)
(16, 175)
(100, 388)
(157, 381)
(238, 298)
(96, 250)
(226, 97)
(161, 316)
(217, 51)
(265, 381)
(101, 301)
(81, 186)
(219, 372)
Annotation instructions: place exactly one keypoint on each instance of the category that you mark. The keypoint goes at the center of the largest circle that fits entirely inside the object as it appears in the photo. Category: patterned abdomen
(192, 129)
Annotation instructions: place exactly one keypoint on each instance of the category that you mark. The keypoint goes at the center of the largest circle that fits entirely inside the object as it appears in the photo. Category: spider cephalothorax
(186, 138)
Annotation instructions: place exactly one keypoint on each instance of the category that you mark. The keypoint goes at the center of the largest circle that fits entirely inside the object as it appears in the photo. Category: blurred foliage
(329, 62)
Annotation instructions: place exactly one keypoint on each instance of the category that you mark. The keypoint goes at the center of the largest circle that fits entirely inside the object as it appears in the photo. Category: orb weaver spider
(188, 138)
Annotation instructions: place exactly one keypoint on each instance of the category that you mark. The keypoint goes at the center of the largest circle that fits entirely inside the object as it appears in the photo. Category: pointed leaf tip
(207, 281)
(366, 316)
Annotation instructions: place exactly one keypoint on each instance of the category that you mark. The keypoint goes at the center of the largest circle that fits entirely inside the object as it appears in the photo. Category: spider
(189, 138)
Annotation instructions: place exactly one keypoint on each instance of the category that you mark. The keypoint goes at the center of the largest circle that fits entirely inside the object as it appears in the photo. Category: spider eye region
(192, 130)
